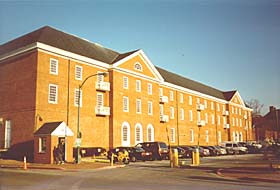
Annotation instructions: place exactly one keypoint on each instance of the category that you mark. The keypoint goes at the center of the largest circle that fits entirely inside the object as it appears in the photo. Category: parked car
(181, 151)
(202, 151)
(221, 150)
(159, 149)
(91, 151)
(212, 150)
(237, 149)
(188, 151)
(138, 153)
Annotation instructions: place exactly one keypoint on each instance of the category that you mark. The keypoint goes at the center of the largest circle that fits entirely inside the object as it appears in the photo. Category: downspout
(177, 108)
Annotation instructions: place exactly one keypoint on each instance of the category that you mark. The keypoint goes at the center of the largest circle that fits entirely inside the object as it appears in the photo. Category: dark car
(188, 151)
(181, 151)
(202, 151)
(159, 149)
(138, 153)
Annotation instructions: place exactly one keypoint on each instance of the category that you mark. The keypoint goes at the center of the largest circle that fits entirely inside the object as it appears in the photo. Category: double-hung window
(42, 144)
(172, 135)
(100, 101)
(150, 89)
(150, 108)
(138, 86)
(53, 92)
(53, 66)
(76, 102)
(125, 104)
(125, 82)
(138, 106)
(78, 72)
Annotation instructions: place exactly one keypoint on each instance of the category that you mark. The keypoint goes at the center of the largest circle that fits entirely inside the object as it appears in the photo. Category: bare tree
(256, 106)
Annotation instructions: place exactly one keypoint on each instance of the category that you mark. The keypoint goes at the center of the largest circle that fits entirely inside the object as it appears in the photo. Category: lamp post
(79, 134)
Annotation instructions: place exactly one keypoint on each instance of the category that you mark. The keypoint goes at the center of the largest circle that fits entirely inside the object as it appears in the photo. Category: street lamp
(79, 134)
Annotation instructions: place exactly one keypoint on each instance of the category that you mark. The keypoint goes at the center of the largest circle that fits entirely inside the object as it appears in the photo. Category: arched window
(150, 133)
(138, 66)
(125, 134)
(138, 133)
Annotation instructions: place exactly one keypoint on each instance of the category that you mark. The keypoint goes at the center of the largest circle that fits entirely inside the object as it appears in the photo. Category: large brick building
(40, 74)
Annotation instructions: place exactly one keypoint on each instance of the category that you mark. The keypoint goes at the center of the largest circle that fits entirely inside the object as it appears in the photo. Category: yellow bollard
(175, 158)
(195, 157)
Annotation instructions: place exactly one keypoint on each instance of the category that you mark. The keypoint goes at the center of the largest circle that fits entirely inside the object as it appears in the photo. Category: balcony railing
(199, 107)
(102, 110)
(163, 99)
(226, 113)
(226, 126)
(201, 123)
(164, 118)
(103, 86)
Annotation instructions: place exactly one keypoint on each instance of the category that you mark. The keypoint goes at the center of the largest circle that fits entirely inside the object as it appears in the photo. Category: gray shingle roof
(47, 128)
(189, 84)
(67, 42)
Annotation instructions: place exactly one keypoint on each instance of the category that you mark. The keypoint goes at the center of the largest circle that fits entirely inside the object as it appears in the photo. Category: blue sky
(226, 44)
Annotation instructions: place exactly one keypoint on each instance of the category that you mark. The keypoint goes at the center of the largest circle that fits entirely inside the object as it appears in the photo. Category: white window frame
(51, 94)
(125, 142)
(205, 104)
(42, 144)
(138, 66)
(213, 119)
(125, 104)
(190, 100)
(182, 114)
(125, 82)
(138, 86)
(150, 136)
(191, 135)
(8, 134)
(212, 105)
(150, 89)
(78, 73)
(219, 120)
(206, 136)
(138, 106)
(100, 99)
(140, 135)
(172, 135)
(76, 94)
(160, 92)
(219, 137)
(181, 98)
(150, 108)
(171, 112)
(53, 64)
(171, 95)
(206, 118)
(218, 107)
(191, 115)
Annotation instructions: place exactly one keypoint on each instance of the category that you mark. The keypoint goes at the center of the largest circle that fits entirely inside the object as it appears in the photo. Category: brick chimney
(272, 108)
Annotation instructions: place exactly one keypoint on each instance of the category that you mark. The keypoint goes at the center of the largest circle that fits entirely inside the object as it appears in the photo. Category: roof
(47, 128)
(56, 38)
(190, 84)
(228, 95)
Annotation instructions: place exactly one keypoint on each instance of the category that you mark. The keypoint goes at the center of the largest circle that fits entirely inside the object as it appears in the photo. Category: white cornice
(145, 60)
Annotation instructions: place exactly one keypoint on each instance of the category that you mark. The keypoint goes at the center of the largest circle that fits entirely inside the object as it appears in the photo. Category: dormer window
(138, 66)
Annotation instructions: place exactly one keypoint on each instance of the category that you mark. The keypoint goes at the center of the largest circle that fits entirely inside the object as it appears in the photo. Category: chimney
(272, 108)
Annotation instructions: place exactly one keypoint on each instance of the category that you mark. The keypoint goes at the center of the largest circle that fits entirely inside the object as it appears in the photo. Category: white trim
(56, 66)
(141, 133)
(144, 58)
(18, 51)
(127, 142)
(81, 74)
(56, 94)
(150, 126)
(62, 130)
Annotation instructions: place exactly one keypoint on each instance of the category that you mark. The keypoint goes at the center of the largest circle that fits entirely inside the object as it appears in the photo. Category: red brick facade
(156, 109)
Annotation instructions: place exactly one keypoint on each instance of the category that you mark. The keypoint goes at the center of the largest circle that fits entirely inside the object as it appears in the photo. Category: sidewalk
(67, 166)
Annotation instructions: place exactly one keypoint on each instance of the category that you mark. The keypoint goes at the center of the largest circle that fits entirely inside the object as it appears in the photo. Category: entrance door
(61, 144)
